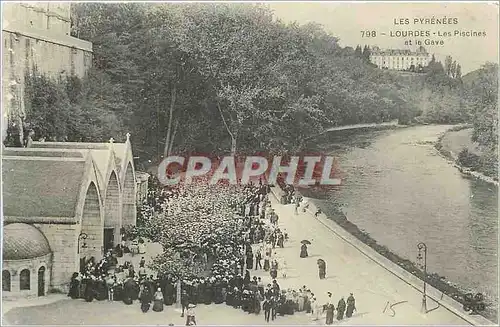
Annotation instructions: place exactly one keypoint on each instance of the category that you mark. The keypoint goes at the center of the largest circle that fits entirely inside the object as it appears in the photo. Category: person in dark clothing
(169, 289)
(330, 310)
(89, 290)
(74, 287)
(146, 297)
(258, 259)
(246, 280)
(129, 290)
(274, 307)
(303, 251)
(341, 309)
(267, 309)
(275, 287)
(101, 289)
(184, 302)
(249, 259)
(351, 306)
(322, 269)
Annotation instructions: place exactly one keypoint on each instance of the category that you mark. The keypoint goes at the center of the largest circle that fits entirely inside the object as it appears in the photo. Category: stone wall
(63, 243)
(112, 209)
(129, 214)
(14, 267)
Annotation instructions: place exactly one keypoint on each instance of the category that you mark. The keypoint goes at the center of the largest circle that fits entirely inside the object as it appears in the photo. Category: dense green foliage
(221, 78)
(230, 77)
(71, 109)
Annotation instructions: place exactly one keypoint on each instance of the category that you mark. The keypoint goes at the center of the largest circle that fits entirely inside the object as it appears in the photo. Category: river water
(397, 188)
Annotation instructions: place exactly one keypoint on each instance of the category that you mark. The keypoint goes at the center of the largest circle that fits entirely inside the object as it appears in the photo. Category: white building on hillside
(399, 59)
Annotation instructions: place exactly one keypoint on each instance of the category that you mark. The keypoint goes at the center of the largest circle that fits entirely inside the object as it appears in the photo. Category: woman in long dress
(89, 290)
(303, 251)
(274, 269)
(322, 269)
(341, 309)
(267, 260)
(158, 301)
(128, 291)
(330, 310)
(74, 288)
(351, 306)
(145, 298)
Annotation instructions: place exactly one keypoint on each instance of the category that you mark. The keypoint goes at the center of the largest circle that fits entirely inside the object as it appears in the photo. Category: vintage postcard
(250, 163)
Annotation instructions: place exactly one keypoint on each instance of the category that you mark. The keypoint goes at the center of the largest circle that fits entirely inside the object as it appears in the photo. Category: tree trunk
(169, 129)
(171, 145)
(179, 294)
(231, 134)
(233, 145)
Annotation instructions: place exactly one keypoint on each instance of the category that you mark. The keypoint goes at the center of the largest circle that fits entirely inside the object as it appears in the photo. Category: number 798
(368, 33)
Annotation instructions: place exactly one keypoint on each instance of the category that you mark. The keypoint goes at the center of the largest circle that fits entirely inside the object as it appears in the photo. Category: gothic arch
(129, 203)
(6, 280)
(91, 240)
(113, 209)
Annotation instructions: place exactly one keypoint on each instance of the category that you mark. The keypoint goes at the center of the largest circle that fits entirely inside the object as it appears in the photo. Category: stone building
(27, 261)
(398, 59)
(37, 34)
(62, 204)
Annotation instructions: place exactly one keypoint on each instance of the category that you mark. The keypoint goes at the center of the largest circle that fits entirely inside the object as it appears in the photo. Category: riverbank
(454, 140)
(376, 282)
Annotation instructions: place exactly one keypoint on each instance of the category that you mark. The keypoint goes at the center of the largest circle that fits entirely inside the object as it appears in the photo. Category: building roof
(44, 183)
(49, 153)
(99, 151)
(23, 241)
(41, 187)
(399, 52)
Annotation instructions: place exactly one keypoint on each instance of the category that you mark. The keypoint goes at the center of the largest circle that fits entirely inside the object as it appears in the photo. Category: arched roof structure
(47, 183)
(23, 241)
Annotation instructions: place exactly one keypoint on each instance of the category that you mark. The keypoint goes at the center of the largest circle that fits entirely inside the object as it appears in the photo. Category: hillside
(472, 76)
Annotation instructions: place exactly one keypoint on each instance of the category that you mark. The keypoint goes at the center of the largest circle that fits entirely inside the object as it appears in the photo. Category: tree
(366, 53)
(447, 65)
(231, 78)
(70, 109)
(358, 52)
(484, 96)
(458, 72)
(453, 69)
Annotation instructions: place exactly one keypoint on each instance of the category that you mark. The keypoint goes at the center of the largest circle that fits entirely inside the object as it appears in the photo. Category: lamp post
(82, 236)
(423, 248)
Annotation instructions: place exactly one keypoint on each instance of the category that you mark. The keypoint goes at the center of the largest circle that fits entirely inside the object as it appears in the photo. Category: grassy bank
(437, 281)
(456, 145)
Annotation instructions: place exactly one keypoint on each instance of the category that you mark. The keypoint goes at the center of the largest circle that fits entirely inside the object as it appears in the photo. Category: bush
(469, 160)
(489, 164)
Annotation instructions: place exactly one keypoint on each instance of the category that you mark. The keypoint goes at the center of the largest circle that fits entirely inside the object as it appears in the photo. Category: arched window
(24, 280)
(6, 281)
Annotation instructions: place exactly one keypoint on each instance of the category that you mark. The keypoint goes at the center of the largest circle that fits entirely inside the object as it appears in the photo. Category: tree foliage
(71, 109)
(218, 77)
(483, 95)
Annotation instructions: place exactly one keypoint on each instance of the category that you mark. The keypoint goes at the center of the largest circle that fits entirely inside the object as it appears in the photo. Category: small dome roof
(23, 241)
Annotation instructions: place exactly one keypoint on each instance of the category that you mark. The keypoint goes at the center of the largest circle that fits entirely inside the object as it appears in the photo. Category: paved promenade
(350, 271)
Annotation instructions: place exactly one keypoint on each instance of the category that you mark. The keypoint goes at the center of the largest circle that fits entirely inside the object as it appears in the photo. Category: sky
(347, 21)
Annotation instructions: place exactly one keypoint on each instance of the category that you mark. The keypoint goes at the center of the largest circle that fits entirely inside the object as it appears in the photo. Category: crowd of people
(225, 232)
